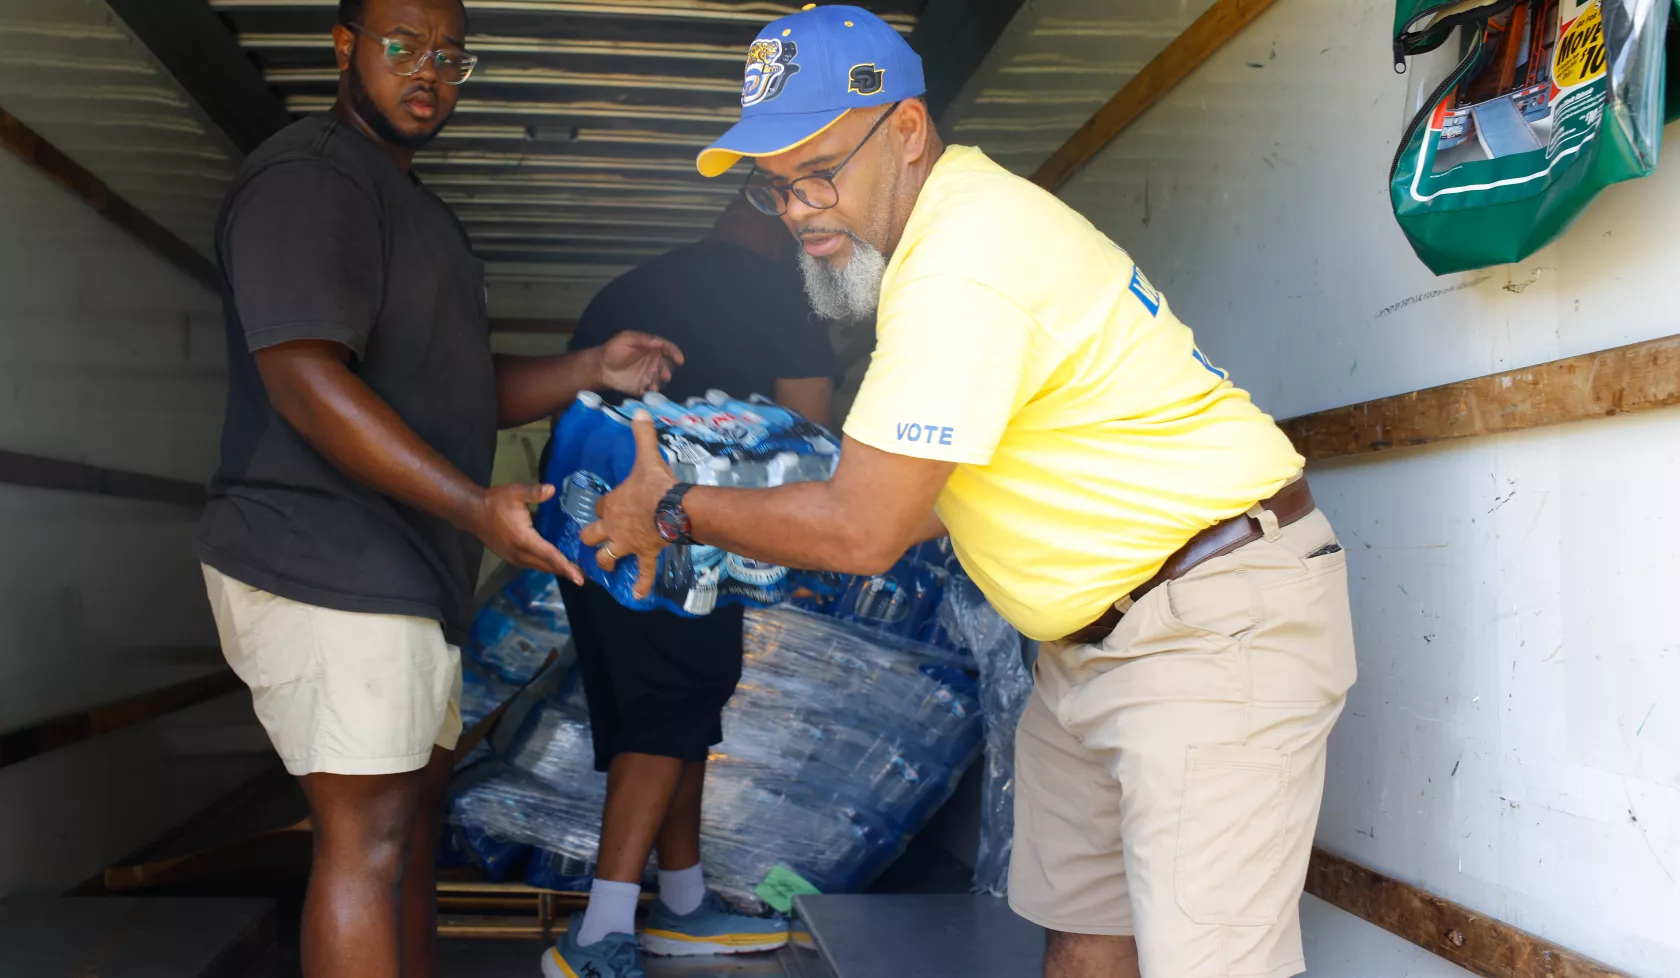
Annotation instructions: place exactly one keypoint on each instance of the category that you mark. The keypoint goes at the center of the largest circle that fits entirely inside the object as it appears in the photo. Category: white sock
(682, 889)
(611, 910)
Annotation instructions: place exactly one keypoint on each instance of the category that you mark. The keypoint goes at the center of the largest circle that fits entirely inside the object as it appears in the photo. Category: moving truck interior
(1498, 450)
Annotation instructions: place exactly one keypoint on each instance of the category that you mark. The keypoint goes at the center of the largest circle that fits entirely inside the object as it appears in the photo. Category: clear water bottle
(582, 491)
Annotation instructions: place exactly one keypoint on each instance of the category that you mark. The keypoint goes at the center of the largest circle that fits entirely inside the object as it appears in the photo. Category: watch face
(672, 524)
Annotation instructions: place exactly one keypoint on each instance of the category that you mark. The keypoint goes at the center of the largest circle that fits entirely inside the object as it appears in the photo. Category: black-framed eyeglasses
(453, 67)
(816, 190)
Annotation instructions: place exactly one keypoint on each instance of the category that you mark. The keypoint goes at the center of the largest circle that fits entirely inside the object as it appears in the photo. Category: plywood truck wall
(1514, 741)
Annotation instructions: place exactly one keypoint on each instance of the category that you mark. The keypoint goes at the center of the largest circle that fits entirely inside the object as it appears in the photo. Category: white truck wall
(1514, 740)
(112, 357)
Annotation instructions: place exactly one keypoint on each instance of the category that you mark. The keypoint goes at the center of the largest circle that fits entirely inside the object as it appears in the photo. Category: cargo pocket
(1230, 835)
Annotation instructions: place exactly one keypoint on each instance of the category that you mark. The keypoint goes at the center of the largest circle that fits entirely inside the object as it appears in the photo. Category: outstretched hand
(636, 363)
(626, 527)
(503, 522)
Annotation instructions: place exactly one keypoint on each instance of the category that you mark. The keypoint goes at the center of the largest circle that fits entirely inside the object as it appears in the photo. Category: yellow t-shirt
(1092, 438)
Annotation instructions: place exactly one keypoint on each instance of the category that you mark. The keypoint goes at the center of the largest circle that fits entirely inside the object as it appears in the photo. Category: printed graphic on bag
(1535, 83)
(1521, 112)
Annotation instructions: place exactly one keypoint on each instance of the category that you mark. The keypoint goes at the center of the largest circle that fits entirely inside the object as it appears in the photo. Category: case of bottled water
(717, 440)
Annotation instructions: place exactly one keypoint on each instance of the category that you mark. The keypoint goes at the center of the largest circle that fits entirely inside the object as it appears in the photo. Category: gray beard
(848, 293)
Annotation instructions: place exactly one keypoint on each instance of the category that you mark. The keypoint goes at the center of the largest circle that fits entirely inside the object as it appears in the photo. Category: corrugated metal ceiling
(574, 142)
(1055, 65)
(76, 75)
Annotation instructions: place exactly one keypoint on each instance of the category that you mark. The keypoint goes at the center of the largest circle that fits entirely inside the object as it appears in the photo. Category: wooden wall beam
(1473, 941)
(1185, 54)
(62, 731)
(38, 472)
(72, 176)
(1637, 377)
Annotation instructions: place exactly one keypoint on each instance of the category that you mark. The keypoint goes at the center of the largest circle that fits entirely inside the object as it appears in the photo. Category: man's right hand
(503, 521)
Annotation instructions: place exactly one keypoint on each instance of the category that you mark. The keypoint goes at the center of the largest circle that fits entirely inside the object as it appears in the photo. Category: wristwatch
(671, 519)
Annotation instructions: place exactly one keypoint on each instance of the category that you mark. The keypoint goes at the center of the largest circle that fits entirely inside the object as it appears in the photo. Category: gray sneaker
(613, 956)
(711, 929)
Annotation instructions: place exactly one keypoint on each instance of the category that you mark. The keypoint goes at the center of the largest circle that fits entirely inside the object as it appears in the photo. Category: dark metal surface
(891, 936)
(522, 959)
(122, 937)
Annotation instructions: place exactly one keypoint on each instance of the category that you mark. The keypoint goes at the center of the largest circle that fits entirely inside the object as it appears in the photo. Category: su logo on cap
(769, 66)
(866, 79)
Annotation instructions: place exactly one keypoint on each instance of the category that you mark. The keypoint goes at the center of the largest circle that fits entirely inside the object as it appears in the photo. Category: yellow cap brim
(716, 159)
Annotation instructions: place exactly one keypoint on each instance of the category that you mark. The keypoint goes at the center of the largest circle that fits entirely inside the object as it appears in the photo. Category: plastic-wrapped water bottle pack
(926, 595)
(903, 602)
(839, 745)
(1005, 684)
(717, 440)
(519, 626)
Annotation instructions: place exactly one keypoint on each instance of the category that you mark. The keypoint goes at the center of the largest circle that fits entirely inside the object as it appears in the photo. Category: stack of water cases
(512, 636)
(839, 745)
(717, 440)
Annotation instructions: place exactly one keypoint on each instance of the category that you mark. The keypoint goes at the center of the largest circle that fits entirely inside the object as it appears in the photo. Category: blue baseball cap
(807, 70)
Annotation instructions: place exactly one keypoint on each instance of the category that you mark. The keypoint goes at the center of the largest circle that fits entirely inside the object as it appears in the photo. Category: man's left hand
(626, 527)
(635, 363)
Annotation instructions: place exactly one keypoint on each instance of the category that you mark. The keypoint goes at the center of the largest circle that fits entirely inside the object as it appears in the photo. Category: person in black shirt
(347, 518)
(657, 682)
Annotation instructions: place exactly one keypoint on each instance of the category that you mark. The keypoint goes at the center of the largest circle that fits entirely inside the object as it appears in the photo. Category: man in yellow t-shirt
(1109, 489)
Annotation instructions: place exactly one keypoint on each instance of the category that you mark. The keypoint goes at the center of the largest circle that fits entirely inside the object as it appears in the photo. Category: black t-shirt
(741, 320)
(324, 237)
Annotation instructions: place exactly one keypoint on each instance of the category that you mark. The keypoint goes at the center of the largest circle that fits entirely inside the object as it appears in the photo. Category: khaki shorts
(340, 692)
(1168, 781)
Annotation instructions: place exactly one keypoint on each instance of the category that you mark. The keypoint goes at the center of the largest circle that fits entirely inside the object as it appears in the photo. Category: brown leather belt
(1290, 504)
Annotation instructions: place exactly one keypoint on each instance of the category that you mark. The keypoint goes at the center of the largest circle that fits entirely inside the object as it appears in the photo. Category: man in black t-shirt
(657, 682)
(349, 512)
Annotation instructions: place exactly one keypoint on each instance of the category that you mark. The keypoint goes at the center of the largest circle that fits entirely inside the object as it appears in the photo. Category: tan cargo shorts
(340, 692)
(1168, 780)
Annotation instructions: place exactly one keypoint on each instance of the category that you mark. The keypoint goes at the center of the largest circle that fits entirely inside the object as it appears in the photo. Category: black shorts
(656, 682)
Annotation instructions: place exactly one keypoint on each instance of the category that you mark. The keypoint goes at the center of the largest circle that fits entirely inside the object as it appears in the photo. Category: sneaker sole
(669, 944)
(554, 966)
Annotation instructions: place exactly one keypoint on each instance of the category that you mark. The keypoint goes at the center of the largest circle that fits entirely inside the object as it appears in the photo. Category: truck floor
(521, 959)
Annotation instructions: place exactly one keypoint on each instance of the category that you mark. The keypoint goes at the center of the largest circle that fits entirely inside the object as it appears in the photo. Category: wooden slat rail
(72, 176)
(1626, 379)
(40, 472)
(38, 738)
(1222, 21)
(1473, 941)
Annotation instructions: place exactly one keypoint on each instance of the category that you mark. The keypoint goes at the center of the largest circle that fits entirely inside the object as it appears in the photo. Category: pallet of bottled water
(717, 440)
